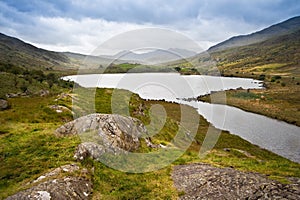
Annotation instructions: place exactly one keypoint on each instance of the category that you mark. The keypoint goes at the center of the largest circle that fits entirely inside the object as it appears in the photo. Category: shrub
(177, 69)
(262, 77)
(274, 78)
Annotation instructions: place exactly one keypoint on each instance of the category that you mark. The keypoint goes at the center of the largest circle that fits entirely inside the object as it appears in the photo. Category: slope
(278, 55)
(276, 30)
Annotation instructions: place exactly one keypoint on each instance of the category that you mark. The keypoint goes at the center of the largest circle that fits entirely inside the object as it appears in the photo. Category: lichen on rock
(104, 133)
(58, 184)
(203, 181)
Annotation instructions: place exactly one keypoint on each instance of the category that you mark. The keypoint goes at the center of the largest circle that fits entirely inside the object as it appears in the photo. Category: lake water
(277, 136)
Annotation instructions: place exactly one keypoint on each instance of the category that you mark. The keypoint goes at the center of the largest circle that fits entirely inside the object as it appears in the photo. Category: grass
(28, 145)
(267, 67)
(29, 148)
(33, 110)
(113, 184)
(280, 99)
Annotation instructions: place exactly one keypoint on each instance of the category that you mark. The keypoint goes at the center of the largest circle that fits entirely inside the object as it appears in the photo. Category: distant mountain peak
(152, 57)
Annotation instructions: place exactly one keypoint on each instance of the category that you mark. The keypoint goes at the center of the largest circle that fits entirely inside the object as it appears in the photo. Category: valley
(40, 102)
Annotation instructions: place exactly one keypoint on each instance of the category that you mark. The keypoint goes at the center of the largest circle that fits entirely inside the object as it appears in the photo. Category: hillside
(274, 60)
(277, 55)
(273, 51)
(18, 53)
(26, 70)
(276, 30)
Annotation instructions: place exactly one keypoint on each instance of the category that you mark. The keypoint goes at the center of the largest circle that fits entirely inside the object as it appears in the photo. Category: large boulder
(203, 181)
(104, 132)
(58, 184)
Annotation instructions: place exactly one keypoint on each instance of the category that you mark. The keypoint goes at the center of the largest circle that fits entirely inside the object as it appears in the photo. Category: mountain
(151, 57)
(18, 53)
(15, 52)
(276, 30)
(272, 51)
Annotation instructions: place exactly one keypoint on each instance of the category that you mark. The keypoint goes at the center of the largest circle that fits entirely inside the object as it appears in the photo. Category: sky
(81, 25)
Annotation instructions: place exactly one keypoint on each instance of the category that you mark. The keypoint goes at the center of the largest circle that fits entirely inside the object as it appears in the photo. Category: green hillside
(18, 53)
(272, 51)
(278, 55)
(26, 70)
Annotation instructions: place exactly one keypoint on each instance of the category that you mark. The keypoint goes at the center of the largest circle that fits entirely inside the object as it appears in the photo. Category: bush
(177, 69)
(262, 77)
(274, 78)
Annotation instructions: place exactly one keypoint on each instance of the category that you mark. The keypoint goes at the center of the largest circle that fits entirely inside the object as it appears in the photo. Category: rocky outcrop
(62, 188)
(19, 94)
(3, 104)
(110, 132)
(202, 181)
(58, 184)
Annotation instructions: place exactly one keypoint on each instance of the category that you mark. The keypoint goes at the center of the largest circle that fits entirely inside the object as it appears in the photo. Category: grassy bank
(279, 100)
(29, 148)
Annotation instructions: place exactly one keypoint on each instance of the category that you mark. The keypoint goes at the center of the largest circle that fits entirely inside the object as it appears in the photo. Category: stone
(54, 185)
(66, 168)
(88, 149)
(61, 188)
(11, 95)
(60, 109)
(3, 104)
(44, 93)
(202, 181)
(111, 133)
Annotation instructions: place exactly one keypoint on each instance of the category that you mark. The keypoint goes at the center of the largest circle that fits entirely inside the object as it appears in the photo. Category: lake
(277, 136)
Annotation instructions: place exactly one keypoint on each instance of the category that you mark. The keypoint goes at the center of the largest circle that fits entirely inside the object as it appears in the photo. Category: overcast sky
(81, 25)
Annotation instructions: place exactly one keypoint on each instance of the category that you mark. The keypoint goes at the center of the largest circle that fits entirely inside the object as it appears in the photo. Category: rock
(58, 187)
(3, 104)
(66, 168)
(202, 181)
(62, 188)
(63, 96)
(19, 94)
(11, 95)
(89, 149)
(151, 145)
(111, 132)
(44, 93)
(60, 109)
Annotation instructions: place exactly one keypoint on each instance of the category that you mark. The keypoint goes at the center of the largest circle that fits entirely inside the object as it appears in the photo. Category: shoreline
(279, 98)
(243, 106)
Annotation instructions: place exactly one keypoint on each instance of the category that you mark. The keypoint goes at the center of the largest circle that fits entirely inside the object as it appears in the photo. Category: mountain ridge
(275, 30)
(14, 51)
(17, 52)
(151, 57)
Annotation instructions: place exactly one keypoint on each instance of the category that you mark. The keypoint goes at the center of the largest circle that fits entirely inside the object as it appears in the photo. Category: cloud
(75, 25)
(140, 11)
(66, 34)
(160, 12)
(255, 11)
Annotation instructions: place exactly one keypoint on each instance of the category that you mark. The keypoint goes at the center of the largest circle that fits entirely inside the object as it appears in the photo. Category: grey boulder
(102, 133)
